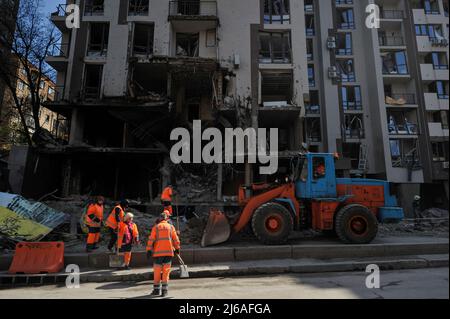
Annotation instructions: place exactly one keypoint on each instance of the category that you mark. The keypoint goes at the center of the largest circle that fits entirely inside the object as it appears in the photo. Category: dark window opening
(143, 39)
(138, 7)
(94, 7)
(275, 47)
(92, 81)
(98, 39)
(187, 44)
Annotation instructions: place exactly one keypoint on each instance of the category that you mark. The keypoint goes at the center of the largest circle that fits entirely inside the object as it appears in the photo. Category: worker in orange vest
(114, 218)
(93, 220)
(162, 243)
(166, 198)
(128, 235)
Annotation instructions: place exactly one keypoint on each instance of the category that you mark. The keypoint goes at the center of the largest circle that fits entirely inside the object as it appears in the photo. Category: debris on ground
(196, 185)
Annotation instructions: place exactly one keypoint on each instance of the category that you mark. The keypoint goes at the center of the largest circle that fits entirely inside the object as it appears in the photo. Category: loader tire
(272, 223)
(356, 224)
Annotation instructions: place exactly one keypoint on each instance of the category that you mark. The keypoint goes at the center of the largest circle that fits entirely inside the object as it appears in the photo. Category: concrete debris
(196, 186)
(432, 218)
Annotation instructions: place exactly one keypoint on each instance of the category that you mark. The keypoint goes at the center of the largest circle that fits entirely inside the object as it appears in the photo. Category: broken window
(345, 19)
(309, 25)
(98, 39)
(311, 76)
(138, 7)
(275, 47)
(94, 7)
(346, 70)
(187, 44)
(92, 81)
(344, 44)
(313, 130)
(402, 123)
(276, 87)
(351, 98)
(310, 49)
(354, 126)
(277, 12)
(394, 63)
(312, 106)
(143, 39)
(404, 153)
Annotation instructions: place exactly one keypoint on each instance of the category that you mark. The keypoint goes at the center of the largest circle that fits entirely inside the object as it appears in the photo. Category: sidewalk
(253, 268)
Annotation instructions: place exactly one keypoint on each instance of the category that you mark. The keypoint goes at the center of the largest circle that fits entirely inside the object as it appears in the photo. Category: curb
(292, 266)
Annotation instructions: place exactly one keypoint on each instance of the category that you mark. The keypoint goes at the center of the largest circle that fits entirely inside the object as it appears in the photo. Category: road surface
(420, 283)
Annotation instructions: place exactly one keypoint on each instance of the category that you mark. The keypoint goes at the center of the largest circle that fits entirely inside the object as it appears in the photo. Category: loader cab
(317, 178)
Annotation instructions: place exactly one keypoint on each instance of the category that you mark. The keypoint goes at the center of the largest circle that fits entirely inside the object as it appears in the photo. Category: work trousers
(93, 237)
(126, 250)
(113, 238)
(161, 272)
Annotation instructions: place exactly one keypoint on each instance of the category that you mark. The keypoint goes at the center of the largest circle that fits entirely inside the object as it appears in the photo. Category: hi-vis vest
(96, 211)
(121, 233)
(111, 221)
(163, 240)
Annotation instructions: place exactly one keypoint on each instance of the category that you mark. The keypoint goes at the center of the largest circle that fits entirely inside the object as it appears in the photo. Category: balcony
(401, 100)
(58, 17)
(392, 15)
(437, 130)
(203, 13)
(58, 58)
(391, 41)
(434, 103)
(431, 72)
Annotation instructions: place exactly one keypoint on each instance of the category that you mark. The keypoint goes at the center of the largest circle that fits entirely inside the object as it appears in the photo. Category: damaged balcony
(193, 16)
(402, 123)
(353, 128)
(405, 153)
(58, 58)
(59, 16)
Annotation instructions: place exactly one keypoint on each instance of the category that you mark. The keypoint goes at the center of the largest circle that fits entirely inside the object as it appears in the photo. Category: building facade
(379, 96)
(136, 69)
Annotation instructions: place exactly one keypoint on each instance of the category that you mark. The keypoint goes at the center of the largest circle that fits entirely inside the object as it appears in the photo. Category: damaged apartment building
(136, 69)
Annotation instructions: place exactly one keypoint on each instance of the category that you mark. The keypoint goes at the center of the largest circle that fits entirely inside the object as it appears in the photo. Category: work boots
(165, 290)
(156, 291)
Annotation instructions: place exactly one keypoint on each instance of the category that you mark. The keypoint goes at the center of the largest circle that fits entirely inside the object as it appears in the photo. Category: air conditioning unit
(445, 165)
(332, 72)
(237, 61)
(331, 43)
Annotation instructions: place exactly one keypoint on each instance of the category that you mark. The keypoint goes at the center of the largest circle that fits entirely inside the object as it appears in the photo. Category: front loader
(311, 198)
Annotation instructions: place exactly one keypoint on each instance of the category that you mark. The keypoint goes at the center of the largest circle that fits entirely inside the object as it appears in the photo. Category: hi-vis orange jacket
(163, 240)
(122, 229)
(167, 194)
(115, 217)
(94, 215)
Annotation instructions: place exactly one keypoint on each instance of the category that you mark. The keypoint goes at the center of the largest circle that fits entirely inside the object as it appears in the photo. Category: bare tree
(25, 42)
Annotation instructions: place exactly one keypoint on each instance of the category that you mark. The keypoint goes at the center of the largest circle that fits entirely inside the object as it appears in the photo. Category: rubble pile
(197, 186)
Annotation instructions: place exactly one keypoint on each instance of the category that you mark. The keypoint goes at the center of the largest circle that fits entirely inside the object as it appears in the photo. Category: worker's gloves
(177, 251)
(149, 254)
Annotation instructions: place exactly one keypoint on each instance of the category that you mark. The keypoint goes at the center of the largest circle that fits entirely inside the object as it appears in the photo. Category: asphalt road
(420, 283)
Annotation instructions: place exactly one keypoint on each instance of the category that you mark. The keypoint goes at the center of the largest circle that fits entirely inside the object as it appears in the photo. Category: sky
(49, 6)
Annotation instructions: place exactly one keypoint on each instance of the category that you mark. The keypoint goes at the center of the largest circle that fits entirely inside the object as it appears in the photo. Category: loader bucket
(217, 229)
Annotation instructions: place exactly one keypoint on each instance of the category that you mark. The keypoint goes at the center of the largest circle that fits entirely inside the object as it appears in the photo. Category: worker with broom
(93, 220)
(162, 244)
(128, 235)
